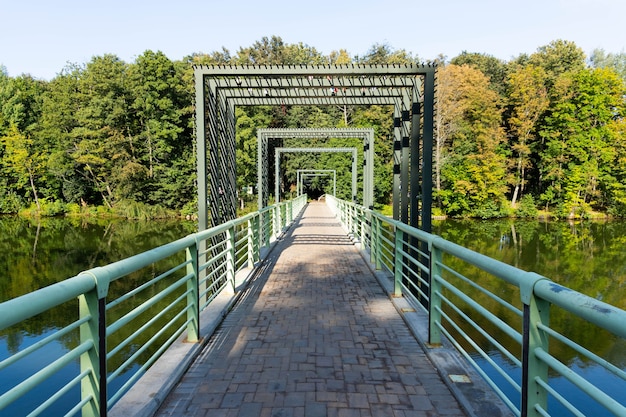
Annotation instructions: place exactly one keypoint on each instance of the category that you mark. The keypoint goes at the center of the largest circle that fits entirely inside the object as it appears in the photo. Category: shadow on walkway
(314, 335)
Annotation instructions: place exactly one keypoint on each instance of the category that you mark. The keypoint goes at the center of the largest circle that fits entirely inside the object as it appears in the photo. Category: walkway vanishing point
(316, 335)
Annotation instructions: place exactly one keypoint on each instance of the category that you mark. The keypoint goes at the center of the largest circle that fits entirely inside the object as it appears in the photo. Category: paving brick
(315, 336)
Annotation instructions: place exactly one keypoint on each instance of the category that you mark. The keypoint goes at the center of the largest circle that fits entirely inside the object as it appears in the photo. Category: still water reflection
(588, 257)
(36, 254)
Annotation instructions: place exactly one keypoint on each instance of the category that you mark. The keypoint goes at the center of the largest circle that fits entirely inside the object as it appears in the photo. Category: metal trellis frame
(305, 173)
(280, 151)
(410, 89)
(265, 136)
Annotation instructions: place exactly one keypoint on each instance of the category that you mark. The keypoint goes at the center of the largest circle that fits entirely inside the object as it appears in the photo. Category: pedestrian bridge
(318, 309)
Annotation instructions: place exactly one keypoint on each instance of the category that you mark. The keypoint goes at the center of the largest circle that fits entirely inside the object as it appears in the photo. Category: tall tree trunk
(32, 185)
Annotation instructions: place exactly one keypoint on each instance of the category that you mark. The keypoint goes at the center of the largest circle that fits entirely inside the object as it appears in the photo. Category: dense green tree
(495, 69)
(22, 161)
(107, 132)
(102, 119)
(557, 58)
(21, 150)
(528, 100)
(274, 50)
(381, 54)
(617, 61)
(579, 135)
(474, 171)
(160, 108)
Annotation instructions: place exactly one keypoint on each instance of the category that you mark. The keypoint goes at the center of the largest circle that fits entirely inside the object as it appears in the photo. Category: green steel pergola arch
(303, 173)
(280, 151)
(264, 136)
(410, 89)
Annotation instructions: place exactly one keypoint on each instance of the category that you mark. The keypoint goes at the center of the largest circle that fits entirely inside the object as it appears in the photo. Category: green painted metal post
(434, 291)
(536, 312)
(253, 241)
(276, 220)
(193, 291)
(397, 270)
(378, 245)
(351, 220)
(290, 207)
(231, 256)
(90, 361)
(362, 224)
(373, 241)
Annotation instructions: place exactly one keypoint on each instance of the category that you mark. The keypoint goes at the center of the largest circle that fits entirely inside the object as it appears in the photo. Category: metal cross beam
(264, 136)
(410, 89)
(280, 151)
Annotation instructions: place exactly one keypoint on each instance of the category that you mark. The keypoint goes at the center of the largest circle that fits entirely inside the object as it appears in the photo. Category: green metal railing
(486, 307)
(174, 282)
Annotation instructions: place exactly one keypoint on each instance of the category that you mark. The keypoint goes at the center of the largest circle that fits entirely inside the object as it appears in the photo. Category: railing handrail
(91, 287)
(593, 310)
(537, 293)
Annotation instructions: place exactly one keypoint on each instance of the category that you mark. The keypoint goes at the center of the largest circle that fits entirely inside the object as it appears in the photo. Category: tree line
(541, 131)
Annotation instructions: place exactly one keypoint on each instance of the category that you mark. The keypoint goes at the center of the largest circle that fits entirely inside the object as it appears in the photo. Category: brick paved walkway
(318, 337)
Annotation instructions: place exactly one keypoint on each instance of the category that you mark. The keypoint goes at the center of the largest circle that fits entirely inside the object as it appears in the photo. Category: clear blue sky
(40, 37)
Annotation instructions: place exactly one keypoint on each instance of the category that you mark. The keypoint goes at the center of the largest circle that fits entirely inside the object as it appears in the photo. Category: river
(586, 256)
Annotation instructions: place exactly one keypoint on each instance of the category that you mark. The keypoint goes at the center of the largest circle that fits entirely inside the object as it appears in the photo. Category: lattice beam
(409, 88)
(265, 135)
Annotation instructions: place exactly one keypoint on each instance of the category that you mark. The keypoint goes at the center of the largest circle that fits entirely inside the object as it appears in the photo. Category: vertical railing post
(378, 260)
(536, 312)
(283, 217)
(353, 221)
(397, 270)
(434, 295)
(230, 255)
(363, 219)
(253, 243)
(263, 222)
(276, 220)
(193, 291)
(290, 209)
(373, 240)
(93, 330)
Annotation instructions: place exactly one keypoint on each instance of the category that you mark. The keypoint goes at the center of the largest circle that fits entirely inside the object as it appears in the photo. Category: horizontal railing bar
(412, 260)
(145, 285)
(558, 397)
(494, 267)
(39, 344)
(482, 331)
(600, 396)
(477, 287)
(43, 374)
(481, 351)
(78, 407)
(116, 270)
(216, 286)
(146, 325)
(141, 308)
(144, 347)
(480, 371)
(116, 397)
(28, 305)
(594, 311)
(497, 321)
(214, 260)
(590, 355)
(58, 394)
(218, 269)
